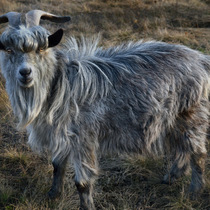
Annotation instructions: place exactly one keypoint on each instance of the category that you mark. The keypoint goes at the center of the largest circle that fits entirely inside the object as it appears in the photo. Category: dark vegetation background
(25, 177)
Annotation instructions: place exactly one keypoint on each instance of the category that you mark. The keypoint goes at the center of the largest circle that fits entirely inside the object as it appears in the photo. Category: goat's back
(135, 92)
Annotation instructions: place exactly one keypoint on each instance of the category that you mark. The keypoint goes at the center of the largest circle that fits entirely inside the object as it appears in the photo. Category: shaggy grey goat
(80, 101)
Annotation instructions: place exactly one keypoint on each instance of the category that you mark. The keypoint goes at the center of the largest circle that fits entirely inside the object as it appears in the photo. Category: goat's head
(27, 48)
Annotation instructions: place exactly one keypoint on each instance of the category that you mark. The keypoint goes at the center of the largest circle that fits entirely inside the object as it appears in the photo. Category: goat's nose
(25, 72)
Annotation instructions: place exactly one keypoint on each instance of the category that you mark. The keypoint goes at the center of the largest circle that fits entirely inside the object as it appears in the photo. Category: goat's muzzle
(25, 77)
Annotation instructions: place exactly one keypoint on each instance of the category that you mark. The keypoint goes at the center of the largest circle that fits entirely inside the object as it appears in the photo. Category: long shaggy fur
(143, 97)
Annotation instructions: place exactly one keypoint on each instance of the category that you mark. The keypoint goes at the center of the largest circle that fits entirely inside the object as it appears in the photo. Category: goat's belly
(130, 141)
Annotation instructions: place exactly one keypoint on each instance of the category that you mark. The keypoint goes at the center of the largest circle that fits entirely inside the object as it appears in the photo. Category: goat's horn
(33, 18)
(14, 18)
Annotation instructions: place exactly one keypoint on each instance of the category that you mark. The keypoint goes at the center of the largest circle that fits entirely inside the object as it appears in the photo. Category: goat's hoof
(54, 194)
(193, 196)
(168, 179)
(165, 182)
(195, 190)
(91, 207)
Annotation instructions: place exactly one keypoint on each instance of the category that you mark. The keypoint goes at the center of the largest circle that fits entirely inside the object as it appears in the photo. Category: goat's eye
(9, 51)
(40, 50)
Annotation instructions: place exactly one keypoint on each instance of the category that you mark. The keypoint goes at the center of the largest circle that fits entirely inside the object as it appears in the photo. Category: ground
(124, 182)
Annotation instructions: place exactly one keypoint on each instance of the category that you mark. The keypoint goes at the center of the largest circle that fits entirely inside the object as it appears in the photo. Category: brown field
(25, 177)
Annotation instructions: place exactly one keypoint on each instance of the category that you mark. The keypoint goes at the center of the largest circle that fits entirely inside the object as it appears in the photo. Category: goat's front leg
(86, 171)
(85, 194)
(58, 178)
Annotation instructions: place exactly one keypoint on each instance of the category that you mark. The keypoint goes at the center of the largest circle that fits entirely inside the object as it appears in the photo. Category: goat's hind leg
(197, 138)
(190, 140)
(179, 168)
(58, 178)
(198, 169)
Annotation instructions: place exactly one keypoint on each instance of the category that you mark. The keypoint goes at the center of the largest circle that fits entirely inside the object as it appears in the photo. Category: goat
(80, 101)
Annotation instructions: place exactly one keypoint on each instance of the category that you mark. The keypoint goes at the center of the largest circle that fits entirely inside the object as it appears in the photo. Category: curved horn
(14, 18)
(33, 18)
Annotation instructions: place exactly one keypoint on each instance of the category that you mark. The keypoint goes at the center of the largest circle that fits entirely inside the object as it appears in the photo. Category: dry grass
(26, 177)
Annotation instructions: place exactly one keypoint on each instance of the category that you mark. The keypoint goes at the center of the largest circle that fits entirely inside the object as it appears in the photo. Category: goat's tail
(206, 64)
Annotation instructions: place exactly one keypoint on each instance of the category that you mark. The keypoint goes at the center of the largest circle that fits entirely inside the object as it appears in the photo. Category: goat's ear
(2, 46)
(55, 38)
